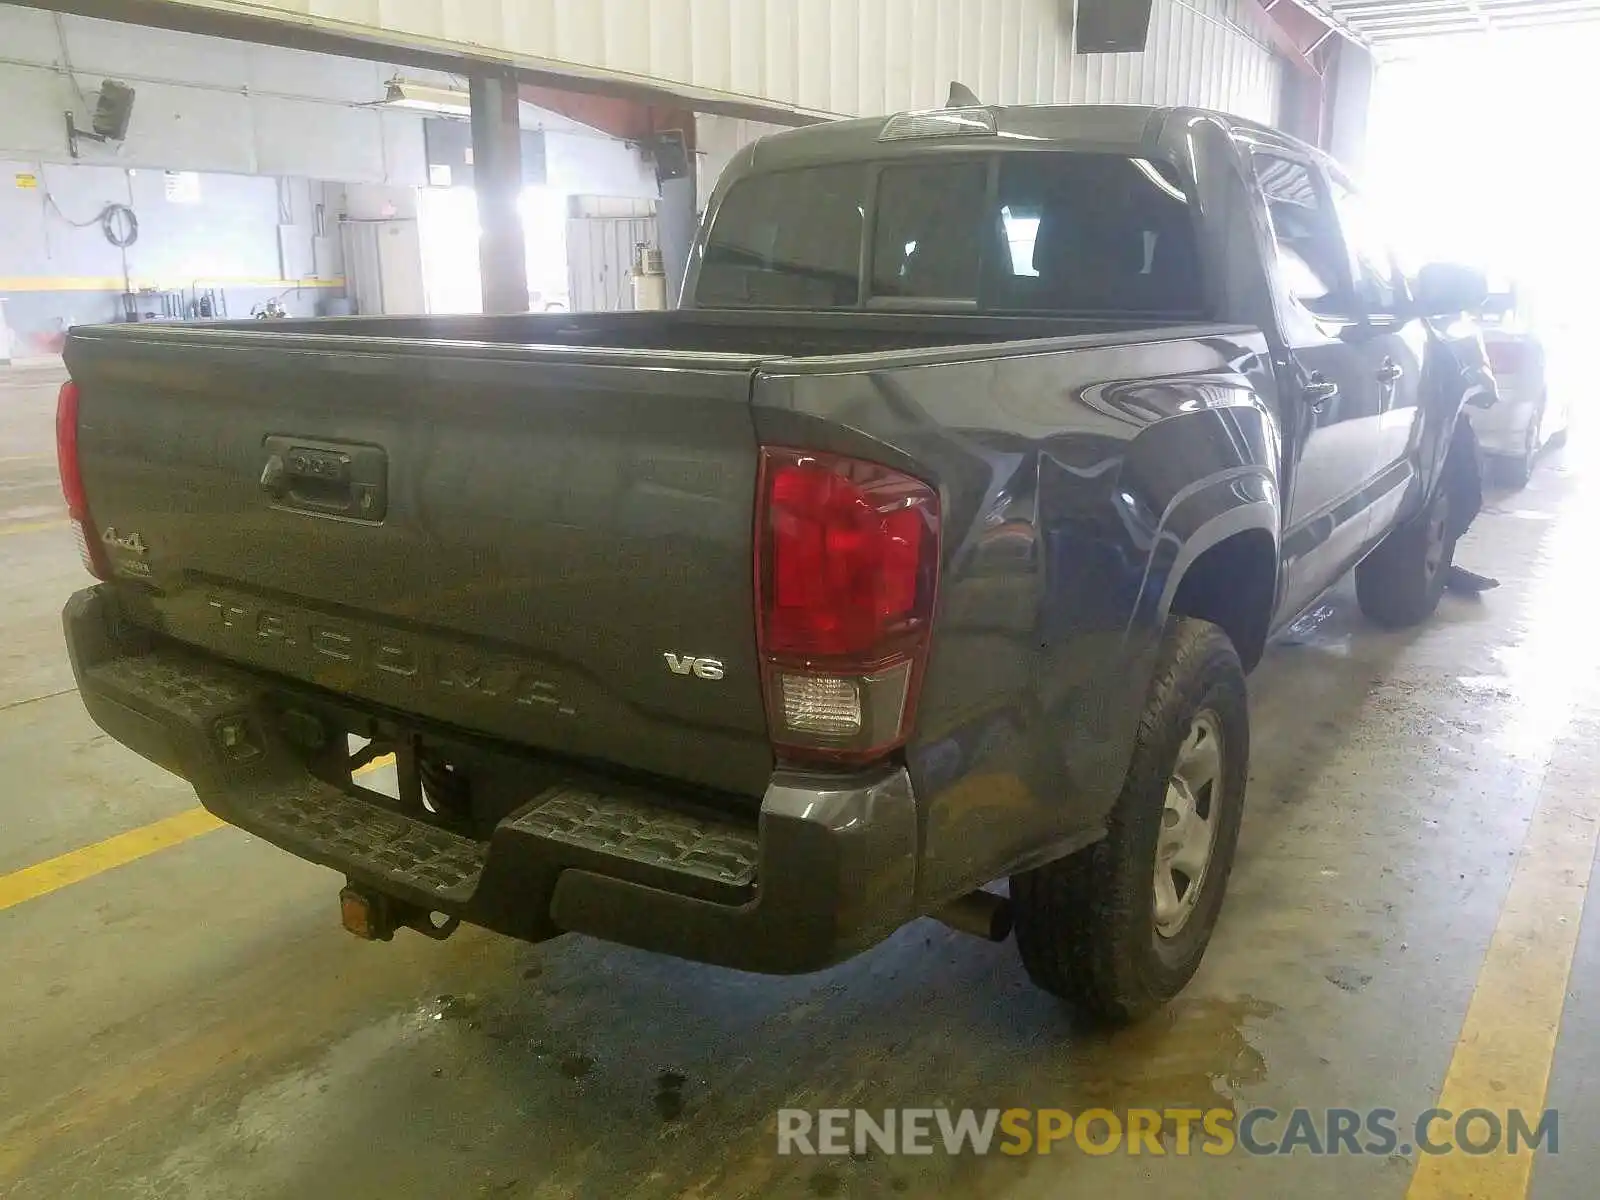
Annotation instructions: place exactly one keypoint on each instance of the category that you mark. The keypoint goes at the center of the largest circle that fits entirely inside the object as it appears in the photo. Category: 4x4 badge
(132, 543)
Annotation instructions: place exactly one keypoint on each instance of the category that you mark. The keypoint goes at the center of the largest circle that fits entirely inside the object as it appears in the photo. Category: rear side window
(1312, 256)
(1057, 233)
(1377, 275)
(791, 239)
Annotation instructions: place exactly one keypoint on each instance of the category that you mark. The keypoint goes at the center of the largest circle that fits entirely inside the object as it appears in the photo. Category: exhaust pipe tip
(981, 914)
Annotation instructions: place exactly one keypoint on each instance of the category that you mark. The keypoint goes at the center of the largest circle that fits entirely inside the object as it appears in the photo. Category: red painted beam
(621, 117)
(1303, 36)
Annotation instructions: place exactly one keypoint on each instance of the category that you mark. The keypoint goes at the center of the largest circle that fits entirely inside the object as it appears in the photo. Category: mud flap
(1463, 478)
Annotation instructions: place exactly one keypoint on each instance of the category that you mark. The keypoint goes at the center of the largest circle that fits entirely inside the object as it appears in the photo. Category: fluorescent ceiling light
(456, 103)
(418, 97)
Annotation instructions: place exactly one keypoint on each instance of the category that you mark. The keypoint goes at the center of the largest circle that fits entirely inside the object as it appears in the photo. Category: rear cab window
(790, 239)
(926, 243)
(1035, 232)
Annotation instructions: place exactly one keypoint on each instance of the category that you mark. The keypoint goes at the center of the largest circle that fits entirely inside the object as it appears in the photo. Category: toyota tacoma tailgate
(542, 545)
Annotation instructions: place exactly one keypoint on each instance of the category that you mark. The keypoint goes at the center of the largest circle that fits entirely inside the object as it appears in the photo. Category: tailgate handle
(341, 479)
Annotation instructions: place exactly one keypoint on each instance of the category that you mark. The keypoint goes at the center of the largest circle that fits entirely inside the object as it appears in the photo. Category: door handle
(336, 479)
(1390, 371)
(275, 477)
(1319, 389)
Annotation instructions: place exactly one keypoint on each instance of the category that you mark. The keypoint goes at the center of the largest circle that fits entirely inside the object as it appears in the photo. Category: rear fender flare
(1244, 517)
(1200, 518)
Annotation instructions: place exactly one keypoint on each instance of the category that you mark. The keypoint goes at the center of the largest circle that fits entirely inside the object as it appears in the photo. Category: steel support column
(497, 179)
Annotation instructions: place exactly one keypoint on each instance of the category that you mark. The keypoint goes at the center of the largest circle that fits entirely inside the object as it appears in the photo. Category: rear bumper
(826, 869)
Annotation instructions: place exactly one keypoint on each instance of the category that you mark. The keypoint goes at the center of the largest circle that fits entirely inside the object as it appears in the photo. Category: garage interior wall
(261, 124)
(252, 237)
(269, 135)
(203, 104)
(256, 129)
(844, 57)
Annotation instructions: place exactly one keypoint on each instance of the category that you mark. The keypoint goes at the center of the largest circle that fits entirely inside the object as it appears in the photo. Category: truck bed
(524, 528)
(707, 331)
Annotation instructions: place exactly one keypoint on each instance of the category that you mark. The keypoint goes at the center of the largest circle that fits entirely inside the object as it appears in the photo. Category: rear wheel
(1399, 583)
(1118, 929)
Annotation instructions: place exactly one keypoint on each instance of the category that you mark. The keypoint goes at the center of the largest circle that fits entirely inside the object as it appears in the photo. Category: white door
(600, 258)
(383, 266)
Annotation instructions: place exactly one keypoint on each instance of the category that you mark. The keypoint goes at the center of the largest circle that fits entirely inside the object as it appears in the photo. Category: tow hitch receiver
(373, 916)
(365, 913)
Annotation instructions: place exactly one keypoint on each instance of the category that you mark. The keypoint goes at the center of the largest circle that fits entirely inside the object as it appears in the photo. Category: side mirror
(1445, 289)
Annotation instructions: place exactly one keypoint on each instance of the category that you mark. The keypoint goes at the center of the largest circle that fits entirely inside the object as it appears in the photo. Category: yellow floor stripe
(77, 865)
(53, 874)
(1502, 1059)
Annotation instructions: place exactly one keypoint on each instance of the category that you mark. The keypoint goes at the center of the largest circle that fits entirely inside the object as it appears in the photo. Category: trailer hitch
(374, 916)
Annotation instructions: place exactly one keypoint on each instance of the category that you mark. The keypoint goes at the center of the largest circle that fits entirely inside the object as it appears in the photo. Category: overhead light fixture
(419, 97)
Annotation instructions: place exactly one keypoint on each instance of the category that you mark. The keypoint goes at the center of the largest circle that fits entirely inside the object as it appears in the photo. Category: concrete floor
(195, 1023)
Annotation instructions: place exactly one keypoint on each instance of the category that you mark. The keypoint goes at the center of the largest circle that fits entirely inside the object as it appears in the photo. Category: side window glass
(791, 239)
(1312, 257)
(1375, 270)
(1092, 233)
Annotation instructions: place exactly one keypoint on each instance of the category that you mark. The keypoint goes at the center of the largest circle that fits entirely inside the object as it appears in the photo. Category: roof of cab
(1123, 127)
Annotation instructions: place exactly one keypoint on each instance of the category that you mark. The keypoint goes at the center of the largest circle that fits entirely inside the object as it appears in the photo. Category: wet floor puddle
(1198, 1054)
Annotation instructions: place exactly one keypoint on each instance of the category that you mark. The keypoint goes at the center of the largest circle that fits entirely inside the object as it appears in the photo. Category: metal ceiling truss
(1385, 22)
(1302, 33)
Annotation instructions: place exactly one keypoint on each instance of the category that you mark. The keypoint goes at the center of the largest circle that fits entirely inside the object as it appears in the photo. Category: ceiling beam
(1400, 33)
(294, 32)
(1300, 34)
(1388, 21)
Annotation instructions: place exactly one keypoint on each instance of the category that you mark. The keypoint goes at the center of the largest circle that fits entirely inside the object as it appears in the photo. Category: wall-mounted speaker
(1112, 26)
(113, 109)
(671, 154)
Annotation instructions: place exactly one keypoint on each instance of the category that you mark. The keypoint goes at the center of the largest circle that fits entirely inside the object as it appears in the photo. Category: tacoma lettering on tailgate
(453, 671)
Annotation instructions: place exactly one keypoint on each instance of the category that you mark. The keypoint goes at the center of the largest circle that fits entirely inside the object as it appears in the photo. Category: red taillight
(90, 549)
(847, 566)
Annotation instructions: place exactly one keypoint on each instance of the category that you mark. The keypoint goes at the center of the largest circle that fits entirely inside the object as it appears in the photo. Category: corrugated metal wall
(843, 56)
(1200, 52)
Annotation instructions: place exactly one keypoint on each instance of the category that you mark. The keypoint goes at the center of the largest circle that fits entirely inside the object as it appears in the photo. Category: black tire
(1518, 471)
(1399, 583)
(1087, 925)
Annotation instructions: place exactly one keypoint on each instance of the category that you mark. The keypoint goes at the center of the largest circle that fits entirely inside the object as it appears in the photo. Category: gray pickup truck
(927, 544)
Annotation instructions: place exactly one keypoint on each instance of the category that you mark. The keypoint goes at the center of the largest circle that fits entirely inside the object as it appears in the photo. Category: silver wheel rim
(1188, 833)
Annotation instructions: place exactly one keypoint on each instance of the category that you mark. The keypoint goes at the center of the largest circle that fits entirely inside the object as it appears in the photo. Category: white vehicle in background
(1527, 416)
